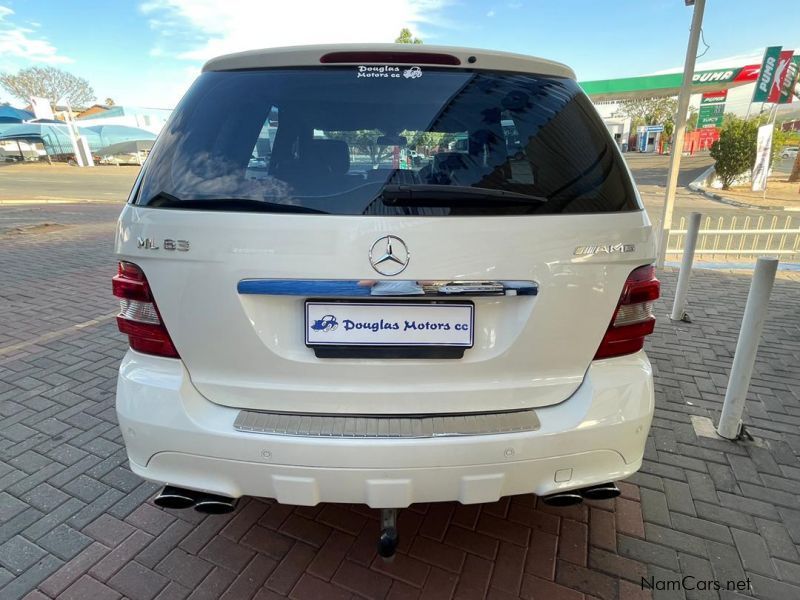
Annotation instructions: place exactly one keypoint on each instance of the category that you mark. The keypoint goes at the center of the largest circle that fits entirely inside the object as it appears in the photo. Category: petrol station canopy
(669, 84)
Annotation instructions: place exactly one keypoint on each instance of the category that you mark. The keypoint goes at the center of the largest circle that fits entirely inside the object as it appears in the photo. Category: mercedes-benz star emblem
(389, 255)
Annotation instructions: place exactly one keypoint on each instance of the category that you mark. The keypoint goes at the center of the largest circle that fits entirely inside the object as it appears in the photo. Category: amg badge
(604, 249)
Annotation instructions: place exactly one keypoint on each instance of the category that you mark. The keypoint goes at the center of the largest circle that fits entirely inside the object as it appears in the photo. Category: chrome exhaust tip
(563, 499)
(212, 504)
(174, 497)
(604, 491)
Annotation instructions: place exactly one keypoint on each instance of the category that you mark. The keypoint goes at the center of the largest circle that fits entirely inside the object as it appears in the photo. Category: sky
(147, 53)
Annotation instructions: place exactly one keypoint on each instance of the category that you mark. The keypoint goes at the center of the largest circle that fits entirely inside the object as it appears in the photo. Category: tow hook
(387, 543)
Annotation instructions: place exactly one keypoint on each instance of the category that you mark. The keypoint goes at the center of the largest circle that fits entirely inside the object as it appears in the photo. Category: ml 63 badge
(168, 244)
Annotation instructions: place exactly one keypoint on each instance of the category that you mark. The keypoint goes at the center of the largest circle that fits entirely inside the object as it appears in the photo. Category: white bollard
(755, 313)
(678, 306)
(662, 249)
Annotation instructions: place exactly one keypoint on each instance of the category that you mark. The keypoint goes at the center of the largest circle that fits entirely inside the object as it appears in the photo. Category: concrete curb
(697, 186)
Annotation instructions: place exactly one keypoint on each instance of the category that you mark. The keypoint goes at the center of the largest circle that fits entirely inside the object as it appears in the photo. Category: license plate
(389, 324)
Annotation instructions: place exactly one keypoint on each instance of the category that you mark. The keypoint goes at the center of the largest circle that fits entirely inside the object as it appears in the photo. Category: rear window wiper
(450, 195)
(164, 200)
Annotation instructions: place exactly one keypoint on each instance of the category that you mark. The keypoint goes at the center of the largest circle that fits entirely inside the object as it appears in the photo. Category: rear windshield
(386, 141)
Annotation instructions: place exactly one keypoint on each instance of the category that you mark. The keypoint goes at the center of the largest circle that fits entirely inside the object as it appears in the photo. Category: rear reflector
(633, 318)
(390, 58)
(139, 317)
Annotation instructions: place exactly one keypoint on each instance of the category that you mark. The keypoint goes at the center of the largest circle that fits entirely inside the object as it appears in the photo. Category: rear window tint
(430, 142)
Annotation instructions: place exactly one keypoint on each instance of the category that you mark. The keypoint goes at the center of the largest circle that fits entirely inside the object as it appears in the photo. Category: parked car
(789, 152)
(464, 331)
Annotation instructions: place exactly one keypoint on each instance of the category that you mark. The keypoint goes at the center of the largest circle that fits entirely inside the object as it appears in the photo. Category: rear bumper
(174, 435)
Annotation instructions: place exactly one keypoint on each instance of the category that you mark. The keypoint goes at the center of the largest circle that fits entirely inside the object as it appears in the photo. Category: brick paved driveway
(76, 524)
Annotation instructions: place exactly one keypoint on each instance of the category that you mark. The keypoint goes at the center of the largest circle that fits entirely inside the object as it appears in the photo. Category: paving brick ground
(76, 524)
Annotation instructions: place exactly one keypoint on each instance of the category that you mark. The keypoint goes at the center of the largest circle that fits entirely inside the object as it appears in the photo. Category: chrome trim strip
(402, 427)
(384, 288)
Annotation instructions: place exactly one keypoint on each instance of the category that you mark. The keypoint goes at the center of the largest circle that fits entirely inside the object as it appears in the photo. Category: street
(60, 182)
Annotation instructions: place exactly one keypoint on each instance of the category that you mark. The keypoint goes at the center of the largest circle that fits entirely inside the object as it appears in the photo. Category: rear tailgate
(249, 350)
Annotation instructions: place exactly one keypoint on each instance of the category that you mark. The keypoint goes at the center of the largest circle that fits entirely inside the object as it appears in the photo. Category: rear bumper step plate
(356, 426)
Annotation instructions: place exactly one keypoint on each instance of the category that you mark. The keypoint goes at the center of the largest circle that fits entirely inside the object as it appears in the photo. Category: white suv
(316, 317)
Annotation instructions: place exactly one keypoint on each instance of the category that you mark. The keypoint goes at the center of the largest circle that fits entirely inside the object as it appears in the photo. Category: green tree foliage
(734, 152)
(406, 37)
(428, 141)
(363, 141)
(655, 111)
(691, 121)
(649, 111)
(48, 82)
(792, 138)
(795, 174)
(780, 139)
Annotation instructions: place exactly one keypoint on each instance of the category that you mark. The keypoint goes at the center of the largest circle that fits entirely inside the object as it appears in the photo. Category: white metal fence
(742, 238)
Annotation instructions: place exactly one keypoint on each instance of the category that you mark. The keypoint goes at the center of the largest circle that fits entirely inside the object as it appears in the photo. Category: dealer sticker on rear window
(387, 71)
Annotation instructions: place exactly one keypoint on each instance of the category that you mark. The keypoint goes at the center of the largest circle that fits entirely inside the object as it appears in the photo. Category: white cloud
(18, 42)
(156, 88)
(209, 27)
(491, 13)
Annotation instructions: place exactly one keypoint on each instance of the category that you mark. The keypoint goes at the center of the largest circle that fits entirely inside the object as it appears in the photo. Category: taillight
(633, 318)
(138, 316)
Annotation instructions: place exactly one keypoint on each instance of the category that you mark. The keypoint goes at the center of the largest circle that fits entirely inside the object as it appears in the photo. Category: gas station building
(709, 87)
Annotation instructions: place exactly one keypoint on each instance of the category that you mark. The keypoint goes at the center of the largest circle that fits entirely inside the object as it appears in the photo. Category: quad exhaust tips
(212, 504)
(603, 491)
(563, 498)
(173, 497)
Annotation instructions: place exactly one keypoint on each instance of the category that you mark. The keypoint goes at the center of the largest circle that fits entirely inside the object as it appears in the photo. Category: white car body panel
(308, 56)
(174, 435)
(250, 352)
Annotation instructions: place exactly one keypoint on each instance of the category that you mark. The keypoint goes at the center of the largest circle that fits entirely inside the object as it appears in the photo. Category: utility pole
(680, 126)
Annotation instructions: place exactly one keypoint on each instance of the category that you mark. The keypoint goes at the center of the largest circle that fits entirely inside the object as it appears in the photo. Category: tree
(669, 129)
(691, 121)
(363, 141)
(795, 175)
(428, 141)
(109, 102)
(649, 111)
(735, 150)
(406, 37)
(655, 111)
(780, 139)
(48, 82)
(793, 139)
